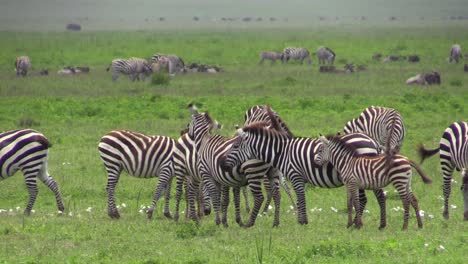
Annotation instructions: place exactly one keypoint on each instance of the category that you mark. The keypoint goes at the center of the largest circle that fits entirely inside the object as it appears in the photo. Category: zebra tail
(421, 173)
(108, 67)
(426, 153)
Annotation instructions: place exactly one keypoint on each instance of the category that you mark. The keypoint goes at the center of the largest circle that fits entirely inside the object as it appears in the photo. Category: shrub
(457, 83)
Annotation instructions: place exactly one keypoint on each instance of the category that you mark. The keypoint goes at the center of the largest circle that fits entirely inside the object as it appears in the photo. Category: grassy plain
(75, 111)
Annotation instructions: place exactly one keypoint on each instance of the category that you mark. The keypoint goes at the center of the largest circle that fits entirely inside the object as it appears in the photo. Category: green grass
(75, 111)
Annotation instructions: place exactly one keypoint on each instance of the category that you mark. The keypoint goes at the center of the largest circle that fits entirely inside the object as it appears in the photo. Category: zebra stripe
(360, 172)
(293, 157)
(135, 68)
(325, 54)
(172, 63)
(140, 156)
(296, 54)
(453, 151)
(27, 150)
(211, 149)
(22, 65)
(380, 123)
(455, 53)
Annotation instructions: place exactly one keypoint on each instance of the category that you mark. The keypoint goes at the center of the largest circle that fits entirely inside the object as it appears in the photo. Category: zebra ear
(324, 140)
(192, 108)
(217, 125)
(240, 132)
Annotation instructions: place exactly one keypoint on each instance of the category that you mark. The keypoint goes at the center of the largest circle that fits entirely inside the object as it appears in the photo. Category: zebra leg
(447, 171)
(115, 76)
(349, 206)
(298, 185)
(406, 199)
(464, 189)
(245, 193)
(180, 179)
(237, 205)
(206, 200)
(415, 204)
(268, 189)
(52, 185)
(192, 194)
(381, 199)
(275, 192)
(362, 201)
(112, 180)
(214, 190)
(132, 77)
(167, 212)
(225, 205)
(255, 185)
(33, 191)
(162, 186)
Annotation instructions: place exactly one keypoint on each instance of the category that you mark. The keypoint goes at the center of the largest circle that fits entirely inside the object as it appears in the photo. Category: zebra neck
(340, 158)
(273, 150)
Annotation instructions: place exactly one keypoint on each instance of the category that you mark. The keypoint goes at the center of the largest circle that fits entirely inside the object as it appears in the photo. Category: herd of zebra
(262, 155)
(324, 55)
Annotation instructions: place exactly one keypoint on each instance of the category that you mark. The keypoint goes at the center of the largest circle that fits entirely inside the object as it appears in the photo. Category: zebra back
(259, 113)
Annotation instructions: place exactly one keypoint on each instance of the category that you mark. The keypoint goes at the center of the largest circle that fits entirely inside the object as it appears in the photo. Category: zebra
(453, 151)
(325, 54)
(270, 55)
(455, 53)
(27, 150)
(378, 123)
(361, 172)
(22, 65)
(296, 54)
(133, 67)
(211, 149)
(172, 63)
(293, 157)
(140, 156)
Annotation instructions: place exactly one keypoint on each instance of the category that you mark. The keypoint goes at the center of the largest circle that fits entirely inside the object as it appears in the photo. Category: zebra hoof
(114, 214)
(168, 215)
(275, 224)
(382, 227)
(207, 211)
(150, 214)
(27, 212)
(466, 216)
(446, 215)
(176, 217)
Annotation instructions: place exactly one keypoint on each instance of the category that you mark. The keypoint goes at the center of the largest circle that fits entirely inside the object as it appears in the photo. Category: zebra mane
(349, 147)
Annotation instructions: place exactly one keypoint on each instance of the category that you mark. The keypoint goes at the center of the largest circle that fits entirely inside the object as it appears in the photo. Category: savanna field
(74, 112)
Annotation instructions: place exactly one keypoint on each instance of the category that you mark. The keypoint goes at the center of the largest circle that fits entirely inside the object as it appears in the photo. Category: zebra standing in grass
(135, 68)
(455, 53)
(140, 156)
(273, 56)
(325, 55)
(358, 172)
(22, 65)
(296, 54)
(211, 150)
(27, 150)
(379, 123)
(172, 63)
(293, 157)
(453, 151)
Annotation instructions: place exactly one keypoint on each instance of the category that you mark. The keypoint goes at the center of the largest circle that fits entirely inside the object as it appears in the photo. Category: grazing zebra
(172, 63)
(293, 157)
(270, 55)
(325, 55)
(27, 150)
(140, 156)
(360, 172)
(378, 123)
(22, 65)
(211, 150)
(453, 151)
(296, 54)
(133, 67)
(455, 53)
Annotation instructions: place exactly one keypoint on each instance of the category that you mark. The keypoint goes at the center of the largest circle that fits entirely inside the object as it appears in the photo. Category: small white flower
(454, 181)
(441, 248)
(89, 209)
(124, 205)
(141, 211)
(11, 210)
(118, 206)
(395, 191)
(396, 209)
(33, 211)
(291, 207)
(78, 215)
(440, 197)
(70, 214)
(3, 211)
(260, 215)
(453, 206)
(431, 216)
(270, 207)
(421, 212)
(334, 209)
(288, 211)
(366, 211)
(60, 212)
(264, 213)
(183, 212)
(426, 244)
(18, 208)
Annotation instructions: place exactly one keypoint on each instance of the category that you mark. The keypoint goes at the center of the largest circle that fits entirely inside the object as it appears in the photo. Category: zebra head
(200, 125)
(239, 152)
(322, 152)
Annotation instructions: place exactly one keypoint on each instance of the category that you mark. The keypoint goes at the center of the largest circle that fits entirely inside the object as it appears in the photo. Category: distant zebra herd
(261, 155)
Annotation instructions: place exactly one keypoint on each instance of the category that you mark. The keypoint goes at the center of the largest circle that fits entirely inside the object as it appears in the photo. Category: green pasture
(75, 111)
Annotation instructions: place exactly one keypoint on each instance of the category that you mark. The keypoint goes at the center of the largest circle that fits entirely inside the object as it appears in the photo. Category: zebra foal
(273, 56)
(358, 172)
(140, 156)
(296, 54)
(22, 65)
(27, 150)
(135, 68)
(453, 152)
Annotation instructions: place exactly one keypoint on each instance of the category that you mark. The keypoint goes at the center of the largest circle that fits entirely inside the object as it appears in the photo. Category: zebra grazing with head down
(27, 150)
(172, 63)
(135, 68)
(140, 156)
(453, 151)
(22, 65)
(296, 54)
(380, 123)
(360, 172)
(293, 158)
(211, 150)
(325, 55)
(273, 56)
(455, 53)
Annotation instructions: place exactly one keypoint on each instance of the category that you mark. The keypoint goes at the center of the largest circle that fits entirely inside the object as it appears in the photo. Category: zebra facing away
(293, 157)
(273, 56)
(135, 68)
(140, 156)
(455, 53)
(380, 123)
(22, 65)
(358, 172)
(296, 54)
(27, 150)
(453, 151)
(325, 55)
(172, 63)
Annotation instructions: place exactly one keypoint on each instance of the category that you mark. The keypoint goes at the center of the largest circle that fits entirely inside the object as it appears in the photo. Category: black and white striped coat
(325, 55)
(27, 150)
(293, 157)
(135, 68)
(361, 172)
(455, 53)
(453, 151)
(22, 65)
(140, 156)
(296, 54)
(380, 123)
(172, 63)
